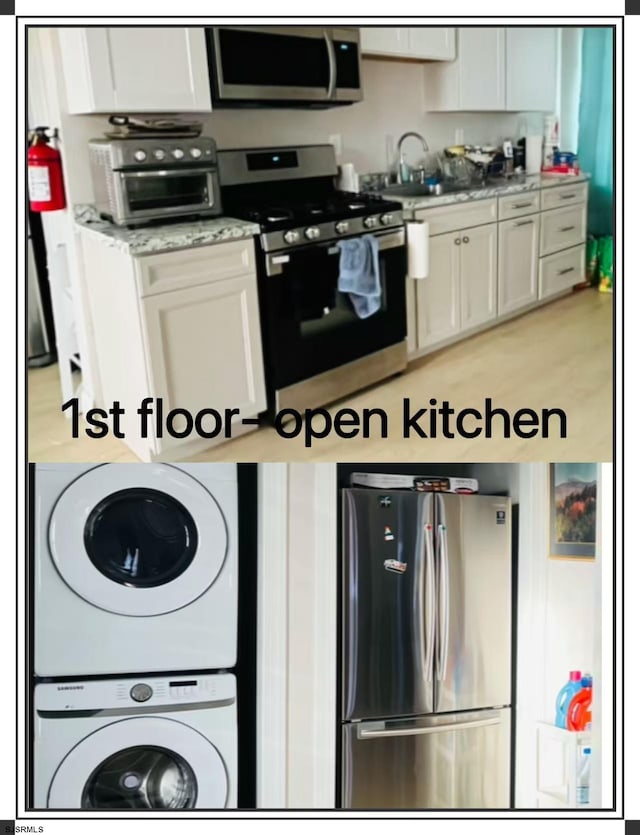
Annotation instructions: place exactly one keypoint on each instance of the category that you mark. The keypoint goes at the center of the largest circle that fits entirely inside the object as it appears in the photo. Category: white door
(478, 276)
(384, 40)
(434, 43)
(438, 295)
(141, 763)
(531, 67)
(481, 68)
(518, 263)
(205, 349)
(138, 540)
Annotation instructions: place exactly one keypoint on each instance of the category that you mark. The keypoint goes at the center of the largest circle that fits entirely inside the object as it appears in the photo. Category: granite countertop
(482, 192)
(148, 240)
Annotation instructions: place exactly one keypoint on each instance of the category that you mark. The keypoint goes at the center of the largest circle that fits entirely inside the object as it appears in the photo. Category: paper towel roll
(349, 180)
(418, 249)
(534, 154)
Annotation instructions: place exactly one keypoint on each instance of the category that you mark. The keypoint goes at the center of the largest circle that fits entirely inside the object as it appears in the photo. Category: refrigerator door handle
(431, 600)
(443, 608)
(380, 730)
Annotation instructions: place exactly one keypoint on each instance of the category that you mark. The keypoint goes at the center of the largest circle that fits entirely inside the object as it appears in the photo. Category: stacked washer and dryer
(135, 631)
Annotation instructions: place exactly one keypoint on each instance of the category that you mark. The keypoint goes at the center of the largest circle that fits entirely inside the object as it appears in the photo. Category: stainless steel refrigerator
(426, 650)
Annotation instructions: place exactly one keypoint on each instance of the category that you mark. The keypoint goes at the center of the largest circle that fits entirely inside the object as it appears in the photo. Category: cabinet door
(204, 348)
(481, 68)
(438, 296)
(478, 276)
(432, 43)
(135, 69)
(517, 263)
(384, 40)
(531, 68)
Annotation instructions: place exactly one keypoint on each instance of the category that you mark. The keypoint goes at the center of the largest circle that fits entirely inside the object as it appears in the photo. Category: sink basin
(417, 190)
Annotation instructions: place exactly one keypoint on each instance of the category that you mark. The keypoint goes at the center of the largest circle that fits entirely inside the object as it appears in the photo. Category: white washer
(153, 743)
(135, 568)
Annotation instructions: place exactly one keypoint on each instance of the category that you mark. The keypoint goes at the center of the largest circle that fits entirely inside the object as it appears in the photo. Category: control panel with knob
(386, 219)
(311, 233)
(196, 153)
(159, 153)
(177, 153)
(370, 221)
(139, 155)
(291, 236)
(141, 692)
(342, 226)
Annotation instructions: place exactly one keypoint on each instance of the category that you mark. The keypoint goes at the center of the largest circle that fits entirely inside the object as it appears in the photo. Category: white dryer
(135, 568)
(151, 743)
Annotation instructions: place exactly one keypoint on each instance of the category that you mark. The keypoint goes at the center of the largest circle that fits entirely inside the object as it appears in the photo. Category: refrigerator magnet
(396, 566)
(388, 535)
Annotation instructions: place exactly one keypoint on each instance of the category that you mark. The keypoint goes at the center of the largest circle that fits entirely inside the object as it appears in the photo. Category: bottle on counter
(584, 777)
(565, 695)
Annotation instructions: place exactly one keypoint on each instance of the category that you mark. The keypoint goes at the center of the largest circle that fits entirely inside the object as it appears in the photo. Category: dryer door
(141, 763)
(138, 540)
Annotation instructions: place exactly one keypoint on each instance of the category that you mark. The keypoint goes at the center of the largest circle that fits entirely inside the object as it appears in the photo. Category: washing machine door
(138, 540)
(141, 763)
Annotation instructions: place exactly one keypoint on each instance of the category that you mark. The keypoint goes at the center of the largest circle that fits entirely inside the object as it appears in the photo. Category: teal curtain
(595, 131)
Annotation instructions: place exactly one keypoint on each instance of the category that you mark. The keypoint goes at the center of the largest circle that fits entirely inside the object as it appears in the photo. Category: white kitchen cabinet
(497, 69)
(438, 295)
(531, 61)
(518, 263)
(204, 350)
(135, 69)
(478, 276)
(429, 43)
(476, 79)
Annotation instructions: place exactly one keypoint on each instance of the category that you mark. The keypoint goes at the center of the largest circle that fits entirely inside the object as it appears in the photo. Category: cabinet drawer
(459, 216)
(562, 228)
(556, 196)
(191, 267)
(515, 205)
(560, 271)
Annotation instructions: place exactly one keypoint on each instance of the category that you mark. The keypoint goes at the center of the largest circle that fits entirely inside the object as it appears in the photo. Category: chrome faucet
(399, 149)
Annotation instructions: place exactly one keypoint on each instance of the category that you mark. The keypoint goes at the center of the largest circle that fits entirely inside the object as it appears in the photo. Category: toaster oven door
(168, 192)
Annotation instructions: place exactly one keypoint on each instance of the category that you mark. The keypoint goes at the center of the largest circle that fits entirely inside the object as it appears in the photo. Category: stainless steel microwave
(286, 66)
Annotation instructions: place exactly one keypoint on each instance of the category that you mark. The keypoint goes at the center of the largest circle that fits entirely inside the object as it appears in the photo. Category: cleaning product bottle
(579, 711)
(563, 699)
(584, 775)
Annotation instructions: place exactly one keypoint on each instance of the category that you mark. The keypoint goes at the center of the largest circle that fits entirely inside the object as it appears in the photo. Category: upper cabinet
(497, 68)
(144, 69)
(427, 43)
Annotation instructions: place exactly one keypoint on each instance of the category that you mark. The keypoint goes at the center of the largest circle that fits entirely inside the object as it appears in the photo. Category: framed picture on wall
(573, 496)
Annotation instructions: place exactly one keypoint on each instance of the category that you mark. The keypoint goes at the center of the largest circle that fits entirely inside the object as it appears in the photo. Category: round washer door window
(138, 540)
(141, 763)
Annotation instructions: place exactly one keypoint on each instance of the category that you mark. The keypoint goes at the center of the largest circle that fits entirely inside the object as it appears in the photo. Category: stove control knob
(196, 153)
(342, 226)
(291, 236)
(141, 692)
(386, 219)
(139, 155)
(178, 153)
(159, 153)
(370, 221)
(312, 233)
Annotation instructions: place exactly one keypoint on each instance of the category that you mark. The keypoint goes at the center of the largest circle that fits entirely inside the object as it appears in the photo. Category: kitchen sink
(419, 190)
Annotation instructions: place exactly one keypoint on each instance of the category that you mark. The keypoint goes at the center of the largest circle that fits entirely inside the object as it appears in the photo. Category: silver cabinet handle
(366, 733)
(465, 240)
(521, 205)
(567, 196)
(523, 222)
(567, 228)
(568, 270)
(457, 242)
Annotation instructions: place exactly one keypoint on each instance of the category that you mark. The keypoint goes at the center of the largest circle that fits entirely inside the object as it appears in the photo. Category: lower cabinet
(518, 260)
(203, 348)
(460, 292)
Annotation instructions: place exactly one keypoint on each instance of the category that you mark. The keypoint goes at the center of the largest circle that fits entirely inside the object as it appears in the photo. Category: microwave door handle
(333, 71)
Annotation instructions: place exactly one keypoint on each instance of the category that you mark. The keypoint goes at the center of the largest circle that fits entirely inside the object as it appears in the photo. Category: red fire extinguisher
(46, 186)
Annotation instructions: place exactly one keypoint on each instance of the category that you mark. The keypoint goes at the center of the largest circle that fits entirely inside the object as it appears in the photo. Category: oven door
(310, 327)
(158, 193)
(294, 65)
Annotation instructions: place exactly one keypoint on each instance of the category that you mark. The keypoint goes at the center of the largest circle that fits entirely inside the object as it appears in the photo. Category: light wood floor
(558, 356)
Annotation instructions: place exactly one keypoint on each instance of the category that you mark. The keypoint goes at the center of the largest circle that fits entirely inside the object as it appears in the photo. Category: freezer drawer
(454, 761)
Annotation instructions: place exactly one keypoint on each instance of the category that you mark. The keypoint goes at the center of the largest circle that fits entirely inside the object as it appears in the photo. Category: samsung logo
(70, 687)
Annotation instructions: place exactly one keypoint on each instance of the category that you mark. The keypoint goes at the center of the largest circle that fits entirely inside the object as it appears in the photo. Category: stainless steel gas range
(316, 347)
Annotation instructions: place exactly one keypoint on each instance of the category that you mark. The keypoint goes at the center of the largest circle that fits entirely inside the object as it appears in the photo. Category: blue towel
(360, 274)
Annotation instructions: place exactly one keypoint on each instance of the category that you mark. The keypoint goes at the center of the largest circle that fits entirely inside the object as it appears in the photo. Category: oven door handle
(275, 260)
(167, 172)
